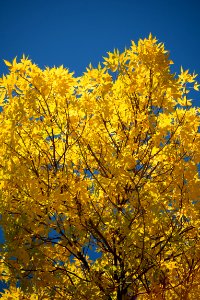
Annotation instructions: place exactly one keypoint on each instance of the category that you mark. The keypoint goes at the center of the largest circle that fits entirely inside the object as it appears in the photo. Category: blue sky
(75, 33)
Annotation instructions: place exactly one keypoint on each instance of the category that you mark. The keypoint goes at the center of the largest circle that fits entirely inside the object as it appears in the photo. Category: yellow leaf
(196, 86)
(7, 63)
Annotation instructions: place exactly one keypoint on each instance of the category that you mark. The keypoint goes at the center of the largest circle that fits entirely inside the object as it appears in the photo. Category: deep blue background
(75, 33)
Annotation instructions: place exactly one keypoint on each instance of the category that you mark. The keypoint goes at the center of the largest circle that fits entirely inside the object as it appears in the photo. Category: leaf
(196, 86)
(7, 63)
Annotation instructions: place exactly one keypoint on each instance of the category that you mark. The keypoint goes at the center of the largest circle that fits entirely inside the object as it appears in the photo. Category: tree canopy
(99, 182)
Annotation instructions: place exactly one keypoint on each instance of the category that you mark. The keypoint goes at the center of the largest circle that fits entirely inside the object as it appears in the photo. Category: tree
(99, 179)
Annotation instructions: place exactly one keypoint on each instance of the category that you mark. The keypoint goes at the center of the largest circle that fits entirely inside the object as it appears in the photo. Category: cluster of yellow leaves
(17, 294)
(101, 165)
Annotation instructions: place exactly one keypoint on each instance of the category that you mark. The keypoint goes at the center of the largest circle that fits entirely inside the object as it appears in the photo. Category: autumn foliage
(99, 183)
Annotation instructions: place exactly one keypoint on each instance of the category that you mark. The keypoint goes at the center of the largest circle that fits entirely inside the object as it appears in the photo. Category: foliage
(99, 179)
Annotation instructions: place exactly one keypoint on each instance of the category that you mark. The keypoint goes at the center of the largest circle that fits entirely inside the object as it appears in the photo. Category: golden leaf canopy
(99, 181)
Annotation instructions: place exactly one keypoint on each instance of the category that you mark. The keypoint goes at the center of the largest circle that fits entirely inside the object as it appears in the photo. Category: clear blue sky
(75, 33)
